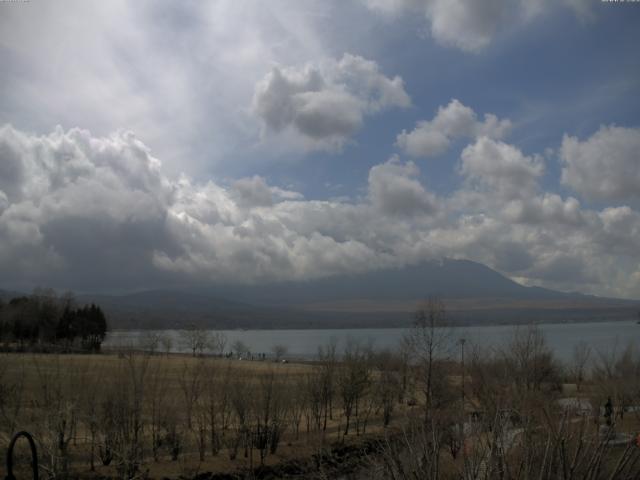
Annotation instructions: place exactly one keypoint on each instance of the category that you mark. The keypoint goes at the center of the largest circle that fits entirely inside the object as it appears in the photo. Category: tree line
(45, 321)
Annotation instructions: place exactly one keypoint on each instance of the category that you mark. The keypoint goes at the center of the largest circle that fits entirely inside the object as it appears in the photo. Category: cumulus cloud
(252, 192)
(501, 166)
(95, 212)
(621, 230)
(606, 166)
(326, 103)
(543, 209)
(453, 121)
(181, 75)
(81, 201)
(468, 25)
(562, 267)
(88, 212)
(395, 190)
(471, 25)
(255, 192)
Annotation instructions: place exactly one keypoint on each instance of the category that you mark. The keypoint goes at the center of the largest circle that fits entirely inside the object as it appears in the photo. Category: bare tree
(122, 421)
(298, 403)
(89, 409)
(617, 377)
(387, 385)
(429, 341)
(149, 342)
(240, 403)
(215, 404)
(520, 431)
(579, 362)
(279, 351)
(166, 342)
(532, 359)
(225, 392)
(353, 380)
(191, 382)
(327, 358)
(218, 343)
(157, 404)
(57, 405)
(314, 392)
(268, 413)
(196, 340)
(240, 349)
(172, 431)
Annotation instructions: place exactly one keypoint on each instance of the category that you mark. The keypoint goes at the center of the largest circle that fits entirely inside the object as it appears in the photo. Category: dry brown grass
(36, 375)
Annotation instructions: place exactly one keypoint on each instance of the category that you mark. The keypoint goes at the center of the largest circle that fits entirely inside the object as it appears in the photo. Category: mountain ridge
(446, 279)
(472, 292)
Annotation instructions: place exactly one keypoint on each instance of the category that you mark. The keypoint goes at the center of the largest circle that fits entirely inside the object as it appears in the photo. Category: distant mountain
(179, 309)
(165, 299)
(449, 279)
(473, 293)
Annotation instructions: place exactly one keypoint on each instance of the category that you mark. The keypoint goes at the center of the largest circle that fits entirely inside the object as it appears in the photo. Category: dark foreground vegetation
(45, 322)
(425, 411)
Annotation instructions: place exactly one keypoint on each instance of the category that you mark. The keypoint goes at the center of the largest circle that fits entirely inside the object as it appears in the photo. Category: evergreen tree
(93, 327)
(47, 319)
(67, 329)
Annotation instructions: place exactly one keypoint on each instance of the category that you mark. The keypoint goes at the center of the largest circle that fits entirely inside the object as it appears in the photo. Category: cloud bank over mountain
(96, 212)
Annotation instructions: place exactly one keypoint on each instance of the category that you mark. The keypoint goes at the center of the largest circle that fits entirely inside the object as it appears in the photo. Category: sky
(157, 144)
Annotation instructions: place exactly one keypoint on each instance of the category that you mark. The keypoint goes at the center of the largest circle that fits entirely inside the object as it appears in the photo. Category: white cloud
(430, 138)
(91, 207)
(395, 190)
(96, 212)
(180, 75)
(606, 166)
(501, 167)
(91, 212)
(4, 202)
(543, 209)
(326, 103)
(467, 24)
(255, 192)
(620, 230)
(423, 141)
(471, 25)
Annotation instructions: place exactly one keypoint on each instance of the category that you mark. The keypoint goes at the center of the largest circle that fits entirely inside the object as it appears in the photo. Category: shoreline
(315, 328)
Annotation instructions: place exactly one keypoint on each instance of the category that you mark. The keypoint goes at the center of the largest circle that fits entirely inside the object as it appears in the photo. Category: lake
(303, 344)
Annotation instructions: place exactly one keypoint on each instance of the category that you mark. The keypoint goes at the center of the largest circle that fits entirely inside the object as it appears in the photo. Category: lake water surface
(561, 337)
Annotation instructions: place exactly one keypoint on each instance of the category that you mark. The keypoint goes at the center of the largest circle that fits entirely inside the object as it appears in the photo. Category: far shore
(376, 327)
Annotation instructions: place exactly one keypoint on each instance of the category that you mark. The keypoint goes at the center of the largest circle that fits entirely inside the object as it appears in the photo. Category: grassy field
(135, 415)
(65, 400)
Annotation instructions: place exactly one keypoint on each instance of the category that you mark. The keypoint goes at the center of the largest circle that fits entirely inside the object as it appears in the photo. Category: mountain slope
(473, 293)
(447, 279)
